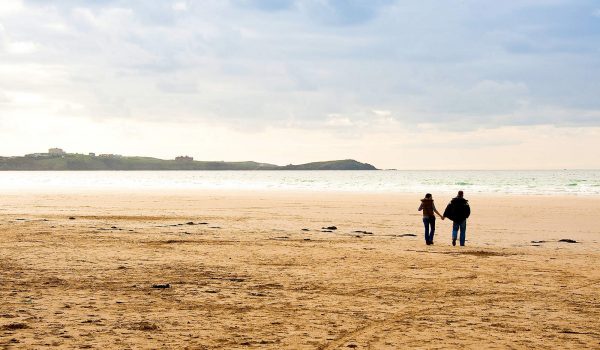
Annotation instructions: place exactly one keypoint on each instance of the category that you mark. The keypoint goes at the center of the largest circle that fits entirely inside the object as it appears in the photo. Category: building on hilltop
(184, 158)
(56, 152)
(92, 154)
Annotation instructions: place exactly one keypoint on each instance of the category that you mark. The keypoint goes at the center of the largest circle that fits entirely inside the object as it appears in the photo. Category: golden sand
(245, 274)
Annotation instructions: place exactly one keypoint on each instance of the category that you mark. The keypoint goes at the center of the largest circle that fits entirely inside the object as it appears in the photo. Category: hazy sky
(399, 84)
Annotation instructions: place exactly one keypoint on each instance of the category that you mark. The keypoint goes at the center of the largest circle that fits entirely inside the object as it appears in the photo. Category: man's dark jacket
(458, 210)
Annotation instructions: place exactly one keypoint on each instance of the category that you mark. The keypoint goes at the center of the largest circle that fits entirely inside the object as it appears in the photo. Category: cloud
(180, 6)
(266, 5)
(8, 7)
(343, 12)
(255, 64)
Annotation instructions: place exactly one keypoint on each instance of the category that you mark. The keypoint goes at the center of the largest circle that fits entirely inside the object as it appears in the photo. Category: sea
(522, 182)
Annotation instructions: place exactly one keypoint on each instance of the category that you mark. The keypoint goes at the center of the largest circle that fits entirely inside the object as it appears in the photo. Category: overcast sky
(399, 84)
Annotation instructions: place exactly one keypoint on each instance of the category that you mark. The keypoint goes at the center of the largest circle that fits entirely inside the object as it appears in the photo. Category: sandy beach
(255, 270)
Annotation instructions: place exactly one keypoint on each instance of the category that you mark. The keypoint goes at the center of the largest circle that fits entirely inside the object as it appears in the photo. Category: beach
(208, 269)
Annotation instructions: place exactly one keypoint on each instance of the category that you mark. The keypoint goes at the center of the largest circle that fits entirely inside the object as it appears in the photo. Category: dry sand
(251, 278)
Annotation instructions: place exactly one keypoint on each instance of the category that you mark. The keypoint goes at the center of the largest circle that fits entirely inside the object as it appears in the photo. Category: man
(458, 210)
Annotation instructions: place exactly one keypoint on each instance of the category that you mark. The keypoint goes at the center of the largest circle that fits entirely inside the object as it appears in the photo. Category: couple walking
(458, 211)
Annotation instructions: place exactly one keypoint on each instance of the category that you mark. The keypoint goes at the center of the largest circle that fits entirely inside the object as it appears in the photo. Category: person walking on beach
(458, 210)
(428, 209)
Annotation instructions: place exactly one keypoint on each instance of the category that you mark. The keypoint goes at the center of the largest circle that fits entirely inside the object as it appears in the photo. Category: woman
(428, 209)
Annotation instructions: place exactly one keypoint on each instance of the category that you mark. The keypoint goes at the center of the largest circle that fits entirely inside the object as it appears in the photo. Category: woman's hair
(428, 195)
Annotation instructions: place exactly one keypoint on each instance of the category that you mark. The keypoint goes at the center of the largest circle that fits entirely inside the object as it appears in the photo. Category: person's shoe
(453, 242)
(427, 242)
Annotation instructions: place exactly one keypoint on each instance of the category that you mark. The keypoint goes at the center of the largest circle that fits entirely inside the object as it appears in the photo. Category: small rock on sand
(567, 240)
(71, 218)
(161, 286)
(329, 228)
(14, 326)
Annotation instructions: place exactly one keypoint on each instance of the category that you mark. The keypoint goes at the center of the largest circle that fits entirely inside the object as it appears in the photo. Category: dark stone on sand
(326, 231)
(161, 286)
(567, 240)
(20, 219)
(203, 223)
(236, 279)
(538, 241)
(211, 291)
(364, 232)
(71, 218)
(14, 326)
(329, 228)
(305, 229)
(408, 235)
(145, 326)
(114, 227)
(215, 227)
(307, 239)
(190, 223)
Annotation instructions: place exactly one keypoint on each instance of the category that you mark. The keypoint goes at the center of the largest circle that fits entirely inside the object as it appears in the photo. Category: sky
(444, 84)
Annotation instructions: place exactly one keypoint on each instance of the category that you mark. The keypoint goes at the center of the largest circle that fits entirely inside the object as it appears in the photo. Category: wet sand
(85, 270)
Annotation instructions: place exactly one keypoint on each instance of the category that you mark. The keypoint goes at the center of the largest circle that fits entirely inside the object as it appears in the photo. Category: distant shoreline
(111, 162)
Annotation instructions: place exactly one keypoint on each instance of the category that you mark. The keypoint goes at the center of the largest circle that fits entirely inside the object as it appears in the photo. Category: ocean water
(556, 182)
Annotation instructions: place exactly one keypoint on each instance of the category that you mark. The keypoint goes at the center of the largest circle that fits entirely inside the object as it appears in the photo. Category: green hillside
(346, 164)
(87, 162)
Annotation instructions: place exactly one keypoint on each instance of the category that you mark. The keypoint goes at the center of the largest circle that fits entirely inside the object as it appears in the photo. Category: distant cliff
(89, 162)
